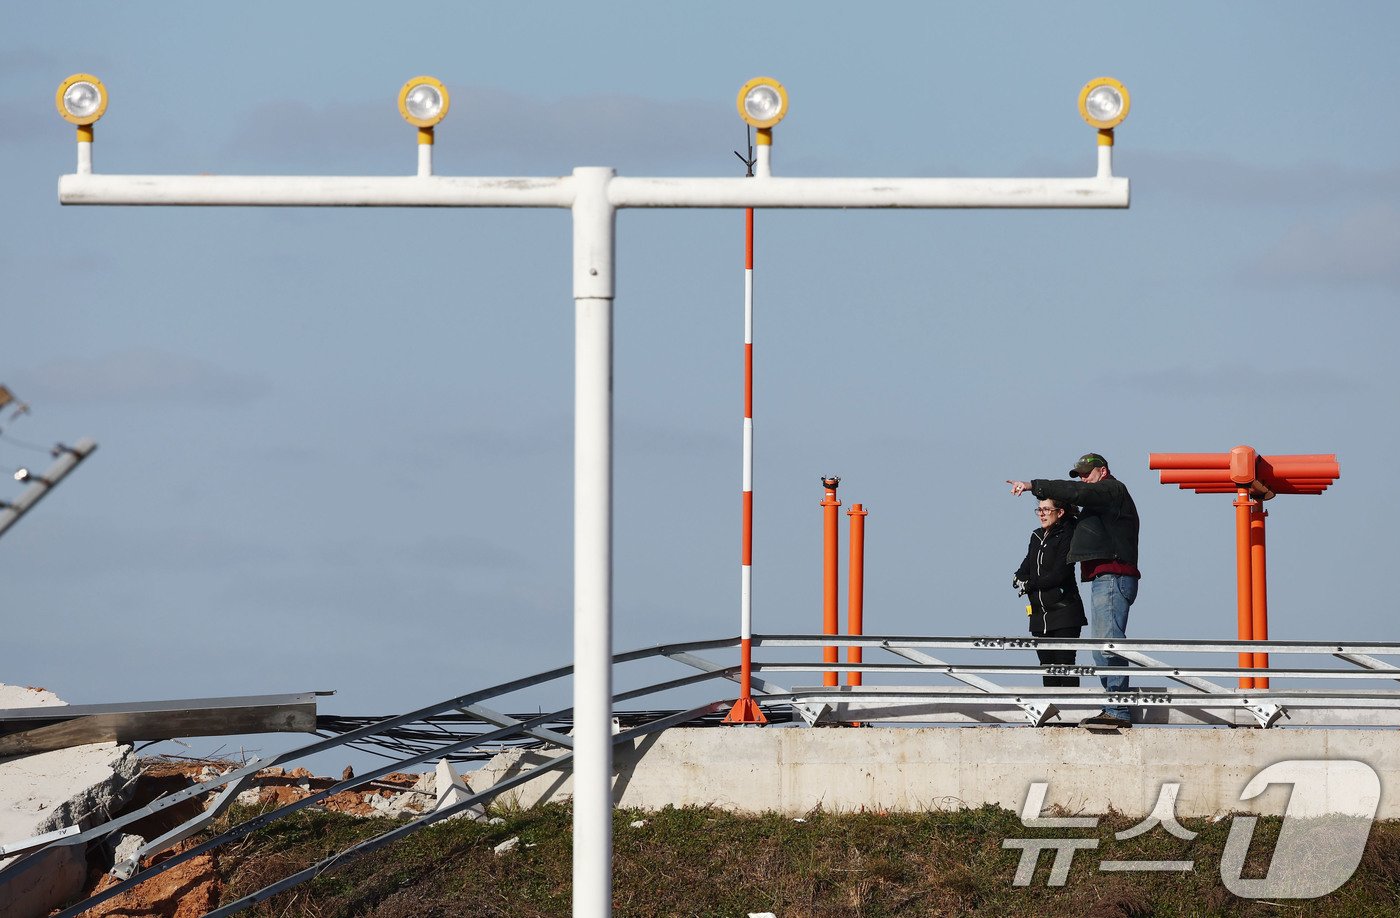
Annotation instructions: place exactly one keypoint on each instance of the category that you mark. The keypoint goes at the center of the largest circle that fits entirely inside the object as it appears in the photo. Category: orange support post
(830, 575)
(1244, 581)
(855, 600)
(1253, 479)
(1259, 589)
(746, 710)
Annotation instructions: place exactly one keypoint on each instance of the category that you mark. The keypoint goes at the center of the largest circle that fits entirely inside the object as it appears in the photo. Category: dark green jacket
(1108, 518)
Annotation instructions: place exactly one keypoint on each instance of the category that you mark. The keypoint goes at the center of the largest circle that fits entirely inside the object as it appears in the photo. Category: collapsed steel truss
(466, 728)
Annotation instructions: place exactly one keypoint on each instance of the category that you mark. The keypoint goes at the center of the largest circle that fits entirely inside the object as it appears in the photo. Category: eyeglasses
(1046, 509)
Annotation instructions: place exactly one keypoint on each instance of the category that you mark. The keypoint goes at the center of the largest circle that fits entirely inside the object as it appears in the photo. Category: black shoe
(1105, 721)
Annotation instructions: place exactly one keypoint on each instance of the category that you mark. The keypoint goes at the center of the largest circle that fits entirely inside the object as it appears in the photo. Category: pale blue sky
(336, 444)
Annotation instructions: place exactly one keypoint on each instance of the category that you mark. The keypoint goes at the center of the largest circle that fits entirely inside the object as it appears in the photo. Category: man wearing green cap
(1105, 544)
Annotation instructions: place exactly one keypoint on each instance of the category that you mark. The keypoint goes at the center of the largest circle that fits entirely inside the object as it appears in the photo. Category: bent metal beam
(24, 731)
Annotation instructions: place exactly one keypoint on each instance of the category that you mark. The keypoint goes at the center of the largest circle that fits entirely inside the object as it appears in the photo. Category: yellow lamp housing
(1104, 103)
(763, 102)
(81, 99)
(423, 101)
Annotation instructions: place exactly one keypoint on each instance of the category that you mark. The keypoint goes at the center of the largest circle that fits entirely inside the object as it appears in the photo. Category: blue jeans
(1110, 596)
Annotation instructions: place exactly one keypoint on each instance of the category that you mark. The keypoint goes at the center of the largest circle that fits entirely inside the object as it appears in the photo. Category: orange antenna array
(1253, 479)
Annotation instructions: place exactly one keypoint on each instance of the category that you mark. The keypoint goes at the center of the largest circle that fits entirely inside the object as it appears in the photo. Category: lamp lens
(763, 103)
(423, 101)
(82, 99)
(1104, 103)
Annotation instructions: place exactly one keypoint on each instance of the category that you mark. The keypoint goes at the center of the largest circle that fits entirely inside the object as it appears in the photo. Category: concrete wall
(792, 770)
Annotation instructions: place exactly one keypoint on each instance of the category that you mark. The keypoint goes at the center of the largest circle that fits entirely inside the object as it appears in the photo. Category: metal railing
(931, 690)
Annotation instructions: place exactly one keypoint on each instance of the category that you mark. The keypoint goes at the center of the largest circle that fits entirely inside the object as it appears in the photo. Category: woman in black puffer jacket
(1046, 578)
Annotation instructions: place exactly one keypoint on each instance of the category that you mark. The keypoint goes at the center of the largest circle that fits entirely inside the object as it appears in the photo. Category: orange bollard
(830, 575)
(1244, 580)
(1259, 590)
(855, 599)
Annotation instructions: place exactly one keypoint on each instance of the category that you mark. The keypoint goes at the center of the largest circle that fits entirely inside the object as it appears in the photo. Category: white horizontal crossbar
(560, 191)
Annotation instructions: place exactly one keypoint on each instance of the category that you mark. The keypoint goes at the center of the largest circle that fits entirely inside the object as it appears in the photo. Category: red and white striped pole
(746, 710)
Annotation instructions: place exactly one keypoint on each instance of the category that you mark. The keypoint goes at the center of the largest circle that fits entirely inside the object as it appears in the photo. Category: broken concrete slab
(453, 789)
(41, 793)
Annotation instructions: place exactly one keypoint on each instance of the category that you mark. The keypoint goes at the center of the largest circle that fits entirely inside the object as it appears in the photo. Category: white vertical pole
(594, 226)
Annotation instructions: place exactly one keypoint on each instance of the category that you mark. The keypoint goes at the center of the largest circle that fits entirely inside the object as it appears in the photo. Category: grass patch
(698, 861)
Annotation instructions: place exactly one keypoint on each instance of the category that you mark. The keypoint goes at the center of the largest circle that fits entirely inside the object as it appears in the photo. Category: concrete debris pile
(194, 887)
(85, 786)
(393, 795)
